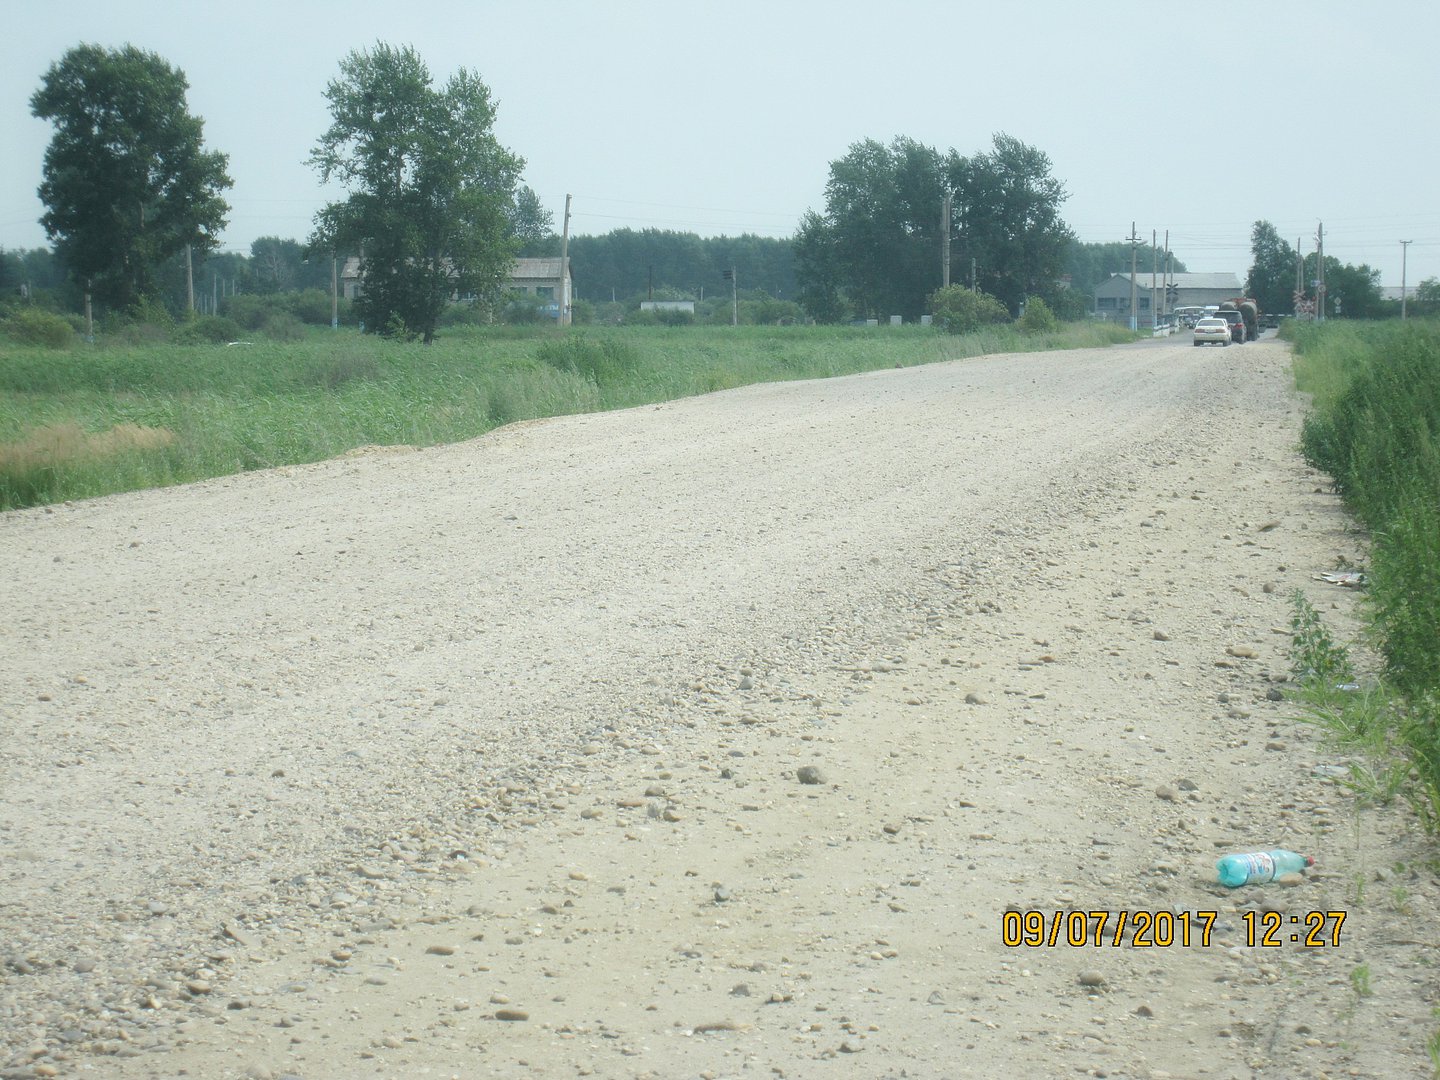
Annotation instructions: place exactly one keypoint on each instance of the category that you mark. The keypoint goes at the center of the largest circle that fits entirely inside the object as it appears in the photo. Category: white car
(1212, 332)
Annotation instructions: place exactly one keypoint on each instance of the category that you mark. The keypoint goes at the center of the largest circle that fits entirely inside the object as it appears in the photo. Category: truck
(1249, 314)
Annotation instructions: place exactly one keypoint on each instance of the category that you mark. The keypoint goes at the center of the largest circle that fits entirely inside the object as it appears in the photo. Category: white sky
(723, 118)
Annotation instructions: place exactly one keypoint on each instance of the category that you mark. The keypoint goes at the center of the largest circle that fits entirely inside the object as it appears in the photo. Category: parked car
(1212, 331)
(1236, 322)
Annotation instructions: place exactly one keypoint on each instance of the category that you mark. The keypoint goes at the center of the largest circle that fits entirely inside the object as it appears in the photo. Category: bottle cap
(1309, 860)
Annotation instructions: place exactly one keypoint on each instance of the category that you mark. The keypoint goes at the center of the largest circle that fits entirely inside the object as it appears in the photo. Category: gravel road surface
(707, 739)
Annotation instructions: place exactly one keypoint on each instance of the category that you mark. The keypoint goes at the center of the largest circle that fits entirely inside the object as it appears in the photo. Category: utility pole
(1154, 270)
(1299, 272)
(945, 243)
(565, 266)
(1134, 246)
(1169, 274)
(334, 293)
(1404, 246)
(1320, 273)
(189, 281)
(734, 299)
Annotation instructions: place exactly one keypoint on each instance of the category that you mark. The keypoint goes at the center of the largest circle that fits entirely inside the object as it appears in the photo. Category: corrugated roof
(1186, 281)
(536, 268)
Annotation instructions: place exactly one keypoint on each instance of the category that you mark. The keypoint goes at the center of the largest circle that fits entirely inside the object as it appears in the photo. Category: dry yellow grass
(68, 443)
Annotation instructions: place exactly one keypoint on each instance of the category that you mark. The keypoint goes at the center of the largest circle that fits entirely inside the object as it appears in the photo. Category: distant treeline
(626, 265)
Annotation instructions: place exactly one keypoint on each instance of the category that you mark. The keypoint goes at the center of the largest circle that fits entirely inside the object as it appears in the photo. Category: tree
(127, 182)
(275, 264)
(431, 189)
(1427, 297)
(532, 224)
(1271, 281)
(879, 243)
(1351, 292)
(1009, 217)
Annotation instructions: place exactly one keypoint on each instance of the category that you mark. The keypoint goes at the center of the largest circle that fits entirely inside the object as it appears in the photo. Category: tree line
(434, 208)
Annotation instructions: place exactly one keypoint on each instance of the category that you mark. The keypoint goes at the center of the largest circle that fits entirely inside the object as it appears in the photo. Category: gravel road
(484, 759)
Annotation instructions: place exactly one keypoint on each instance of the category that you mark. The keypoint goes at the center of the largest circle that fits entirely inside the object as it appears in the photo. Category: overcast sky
(723, 118)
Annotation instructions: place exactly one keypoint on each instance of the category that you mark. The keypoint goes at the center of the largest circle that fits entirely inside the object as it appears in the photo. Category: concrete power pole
(1320, 273)
(564, 319)
(945, 244)
(1154, 271)
(1404, 250)
(1134, 247)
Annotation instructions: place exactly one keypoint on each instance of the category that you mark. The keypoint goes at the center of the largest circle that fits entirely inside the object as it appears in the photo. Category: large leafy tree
(1271, 281)
(1009, 220)
(127, 180)
(877, 248)
(431, 190)
(878, 243)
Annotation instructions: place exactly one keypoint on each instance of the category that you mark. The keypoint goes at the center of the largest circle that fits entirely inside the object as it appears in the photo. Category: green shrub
(1038, 318)
(960, 311)
(282, 326)
(310, 306)
(29, 326)
(250, 311)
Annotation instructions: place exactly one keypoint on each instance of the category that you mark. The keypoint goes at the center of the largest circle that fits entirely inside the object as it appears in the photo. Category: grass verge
(1375, 428)
(93, 421)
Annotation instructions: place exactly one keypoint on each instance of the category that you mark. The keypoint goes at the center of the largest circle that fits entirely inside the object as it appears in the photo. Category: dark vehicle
(1249, 312)
(1237, 325)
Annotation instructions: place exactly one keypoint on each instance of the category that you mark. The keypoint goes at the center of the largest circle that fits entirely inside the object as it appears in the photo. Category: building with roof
(1112, 296)
(538, 278)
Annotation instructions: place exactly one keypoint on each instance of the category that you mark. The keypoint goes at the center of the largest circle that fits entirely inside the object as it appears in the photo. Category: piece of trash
(1258, 867)
(1349, 579)
(1348, 687)
(1334, 772)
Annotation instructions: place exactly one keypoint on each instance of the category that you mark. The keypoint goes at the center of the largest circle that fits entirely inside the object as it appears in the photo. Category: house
(1112, 297)
(539, 278)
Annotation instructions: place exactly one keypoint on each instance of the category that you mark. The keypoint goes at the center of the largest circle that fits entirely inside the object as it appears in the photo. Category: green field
(93, 420)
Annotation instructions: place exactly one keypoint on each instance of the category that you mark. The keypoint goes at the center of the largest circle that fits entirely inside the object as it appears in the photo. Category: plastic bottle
(1257, 867)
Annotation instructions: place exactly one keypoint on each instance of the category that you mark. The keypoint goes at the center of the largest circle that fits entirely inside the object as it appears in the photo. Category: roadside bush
(207, 330)
(282, 326)
(957, 310)
(31, 327)
(1038, 318)
(310, 306)
(248, 310)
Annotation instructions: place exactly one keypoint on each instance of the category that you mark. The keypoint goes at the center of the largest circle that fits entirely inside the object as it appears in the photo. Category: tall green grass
(1375, 428)
(95, 420)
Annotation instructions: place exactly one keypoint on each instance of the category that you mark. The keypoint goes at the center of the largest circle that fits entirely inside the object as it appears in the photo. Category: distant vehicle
(1236, 323)
(1212, 331)
(1190, 315)
(1249, 312)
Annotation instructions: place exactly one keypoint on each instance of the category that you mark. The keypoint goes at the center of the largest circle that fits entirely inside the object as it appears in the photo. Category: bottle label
(1259, 866)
